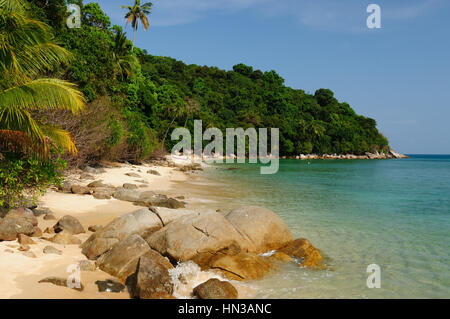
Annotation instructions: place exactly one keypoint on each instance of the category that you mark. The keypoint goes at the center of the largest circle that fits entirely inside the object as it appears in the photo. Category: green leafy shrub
(23, 179)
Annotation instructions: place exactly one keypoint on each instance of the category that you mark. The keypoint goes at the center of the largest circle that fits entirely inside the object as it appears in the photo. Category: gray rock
(51, 250)
(22, 213)
(216, 289)
(94, 170)
(130, 186)
(10, 228)
(127, 195)
(65, 238)
(200, 237)
(96, 184)
(141, 222)
(152, 276)
(122, 260)
(103, 192)
(49, 217)
(66, 187)
(69, 224)
(154, 172)
(80, 190)
(261, 229)
(150, 198)
(41, 211)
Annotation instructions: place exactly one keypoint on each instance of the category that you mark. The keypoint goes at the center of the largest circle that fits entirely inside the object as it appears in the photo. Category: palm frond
(43, 94)
(144, 21)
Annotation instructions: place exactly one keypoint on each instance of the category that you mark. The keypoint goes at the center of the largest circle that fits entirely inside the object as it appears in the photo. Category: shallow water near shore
(393, 213)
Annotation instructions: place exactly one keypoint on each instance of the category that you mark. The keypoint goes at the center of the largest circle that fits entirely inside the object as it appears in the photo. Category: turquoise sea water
(393, 213)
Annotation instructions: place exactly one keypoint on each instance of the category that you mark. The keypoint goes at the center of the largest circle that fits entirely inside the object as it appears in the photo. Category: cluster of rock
(21, 224)
(141, 247)
(389, 155)
(128, 192)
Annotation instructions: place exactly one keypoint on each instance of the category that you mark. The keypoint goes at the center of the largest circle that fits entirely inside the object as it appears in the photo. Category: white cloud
(338, 15)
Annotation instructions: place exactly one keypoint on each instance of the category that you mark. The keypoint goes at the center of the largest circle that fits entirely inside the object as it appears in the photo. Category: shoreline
(21, 272)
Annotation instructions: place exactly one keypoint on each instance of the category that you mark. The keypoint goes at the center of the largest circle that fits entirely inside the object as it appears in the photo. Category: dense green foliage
(23, 179)
(151, 95)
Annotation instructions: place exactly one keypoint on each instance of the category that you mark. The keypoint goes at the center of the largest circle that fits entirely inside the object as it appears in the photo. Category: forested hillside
(135, 98)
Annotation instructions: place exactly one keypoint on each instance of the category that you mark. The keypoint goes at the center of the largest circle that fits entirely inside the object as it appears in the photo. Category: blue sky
(398, 75)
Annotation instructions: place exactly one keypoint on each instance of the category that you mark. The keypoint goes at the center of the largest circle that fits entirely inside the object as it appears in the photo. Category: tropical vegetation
(134, 99)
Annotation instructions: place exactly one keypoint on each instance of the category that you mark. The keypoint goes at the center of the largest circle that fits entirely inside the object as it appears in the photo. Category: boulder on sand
(141, 222)
(51, 250)
(22, 213)
(122, 260)
(244, 266)
(152, 276)
(216, 289)
(150, 198)
(302, 248)
(200, 237)
(69, 224)
(11, 227)
(128, 195)
(80, 190)
(64, 238)
(261, 229)
(103, 192)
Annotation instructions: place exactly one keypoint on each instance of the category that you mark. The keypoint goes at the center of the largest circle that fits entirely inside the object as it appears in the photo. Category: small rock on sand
(154, 172)
(69, 224)
(51, 250)
(64, 238)
(25, 240)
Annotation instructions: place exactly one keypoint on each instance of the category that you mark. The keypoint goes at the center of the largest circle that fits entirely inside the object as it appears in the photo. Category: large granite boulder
(11, 227)
(152, 277)
(244, 266)
(22, 213)
(303, 249)
(261, 229)
(69, 224)
(141, 222)
(216, 289)
(122, 260)
(200, 237)
(168, 215)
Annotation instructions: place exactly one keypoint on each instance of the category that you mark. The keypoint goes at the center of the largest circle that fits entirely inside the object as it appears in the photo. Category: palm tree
(138, 13)
(125, 61)
(26, 51)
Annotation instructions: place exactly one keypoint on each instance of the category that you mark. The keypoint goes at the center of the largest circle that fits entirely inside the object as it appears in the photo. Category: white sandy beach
(20, 274)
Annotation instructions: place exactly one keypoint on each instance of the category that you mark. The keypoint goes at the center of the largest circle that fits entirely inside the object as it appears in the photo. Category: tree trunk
(167, 132)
